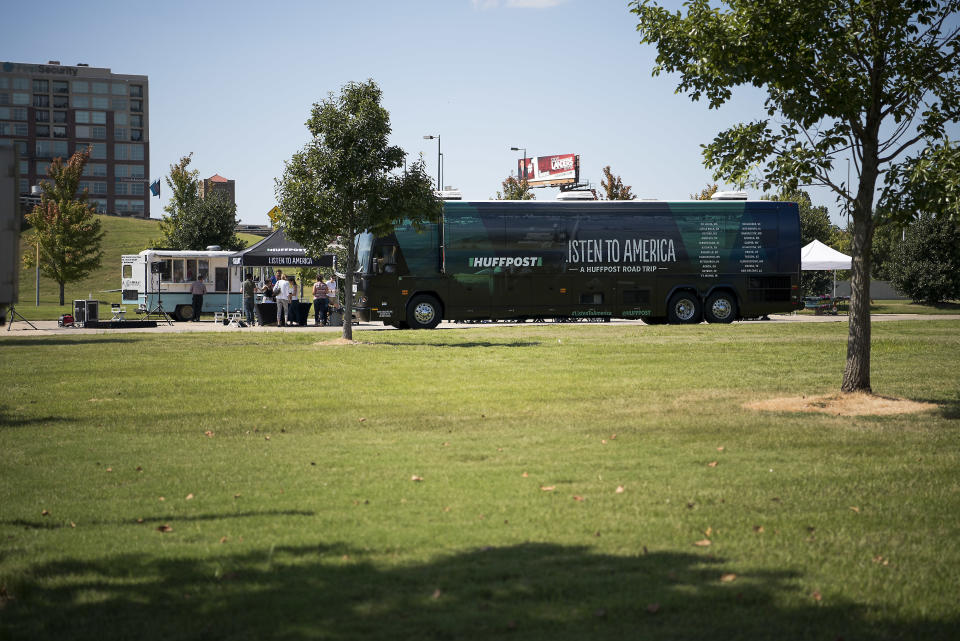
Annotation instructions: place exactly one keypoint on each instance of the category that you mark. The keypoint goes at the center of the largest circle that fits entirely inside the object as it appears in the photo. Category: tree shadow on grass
(527, 591)
(57, 340)
(464, 344)
(10, 419)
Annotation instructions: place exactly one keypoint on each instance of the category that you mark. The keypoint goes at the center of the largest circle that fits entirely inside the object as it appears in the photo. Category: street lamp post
(437, 137)
(524, 150)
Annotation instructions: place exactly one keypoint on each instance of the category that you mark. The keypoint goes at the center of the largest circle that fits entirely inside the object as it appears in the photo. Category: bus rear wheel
(423, 312)
(183, 313)
(684, 309)
(721, 307)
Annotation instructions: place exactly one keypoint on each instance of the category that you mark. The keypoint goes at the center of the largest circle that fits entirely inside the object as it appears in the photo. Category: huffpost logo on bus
(506, 261)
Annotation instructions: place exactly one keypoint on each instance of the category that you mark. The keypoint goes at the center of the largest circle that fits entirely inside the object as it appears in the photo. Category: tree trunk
(856, 373)
(61, 293)
(348, 286)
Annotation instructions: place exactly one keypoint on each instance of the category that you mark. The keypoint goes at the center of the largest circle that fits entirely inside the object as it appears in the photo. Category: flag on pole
(155, 187)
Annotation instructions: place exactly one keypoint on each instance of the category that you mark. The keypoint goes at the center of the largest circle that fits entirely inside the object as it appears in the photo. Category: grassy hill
(121, 236)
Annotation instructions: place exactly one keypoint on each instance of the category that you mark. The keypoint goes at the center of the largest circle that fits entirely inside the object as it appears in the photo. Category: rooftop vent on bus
(82, 64)
(729, 195)
(53, 62)
(213, 248)
(450, 194)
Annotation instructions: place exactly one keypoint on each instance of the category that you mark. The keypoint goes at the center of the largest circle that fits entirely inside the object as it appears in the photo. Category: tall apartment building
(50, 111)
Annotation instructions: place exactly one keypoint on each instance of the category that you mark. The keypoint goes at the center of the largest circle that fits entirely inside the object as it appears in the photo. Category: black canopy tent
(276, 250)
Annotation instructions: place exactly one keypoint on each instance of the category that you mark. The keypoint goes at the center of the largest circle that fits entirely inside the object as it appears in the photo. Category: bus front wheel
(684, 309)
(423, 312)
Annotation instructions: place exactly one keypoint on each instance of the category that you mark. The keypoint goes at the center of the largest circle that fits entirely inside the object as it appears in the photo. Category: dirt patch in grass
(856, 404)
(339, 341)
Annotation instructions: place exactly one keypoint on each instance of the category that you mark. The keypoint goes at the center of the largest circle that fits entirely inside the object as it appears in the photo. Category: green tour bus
(662, 262)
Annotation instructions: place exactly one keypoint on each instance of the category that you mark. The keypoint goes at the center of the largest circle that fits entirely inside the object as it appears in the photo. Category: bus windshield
(364, 246)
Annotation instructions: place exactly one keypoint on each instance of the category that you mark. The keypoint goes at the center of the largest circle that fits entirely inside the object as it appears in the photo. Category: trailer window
(204, 270)
(127, 271)
(177, 271)
(191, 269)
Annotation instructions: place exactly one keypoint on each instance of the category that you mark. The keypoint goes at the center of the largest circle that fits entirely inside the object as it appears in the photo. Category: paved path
(49, 328)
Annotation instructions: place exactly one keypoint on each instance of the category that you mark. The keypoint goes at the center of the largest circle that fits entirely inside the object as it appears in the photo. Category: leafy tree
(514, 189)
(706, 193)
(613, 187)
(875, 79)
(194, 222)
(926, 264)
(814, 225)
(65, 227)
(342, 182)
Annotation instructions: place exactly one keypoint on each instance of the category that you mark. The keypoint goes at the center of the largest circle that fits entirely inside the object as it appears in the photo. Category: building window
(5, 83)
(82, 117)
(135, 105)
(59, 131)
(61, 102)
(24, 185)
(99, 133)
(21, 146)
(99, 102)
(59, 116)
(40, 100)
(119, 133)
(61, 86)
(99, 87)
(100, 188)
(81, 102)
(136, 189)
(136, 91)
(42, 167)
(59, 149)
(118, 89)
(19, 113)
(5, 128)
(4, 113)
(98, 169)
(136, 135)
(128, 152)
(128, 171)
(41, 86)
(81, 86)
(21, 83)
(24, 167)
(118, 104)
(4, 99)
(99, 150)
(21, 99)
(44, 149)
(98, 117)
(136, 121)
(20, 129)
(41, 116)
(119, 188)
(43, 131)
(83, 131)
(120, 119)
(99, 203)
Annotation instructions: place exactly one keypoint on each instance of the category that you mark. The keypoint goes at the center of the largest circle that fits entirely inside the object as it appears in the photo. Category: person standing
(293, 314)
(332, 294)
(282, 292)
(249, 296)
(198, 289)
(320, 301)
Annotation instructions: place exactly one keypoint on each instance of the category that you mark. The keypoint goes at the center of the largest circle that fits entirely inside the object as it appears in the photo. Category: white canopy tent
(817, 256)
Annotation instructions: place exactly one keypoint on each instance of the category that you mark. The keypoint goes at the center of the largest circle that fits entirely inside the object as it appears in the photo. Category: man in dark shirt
(198, 289)
(249, 296)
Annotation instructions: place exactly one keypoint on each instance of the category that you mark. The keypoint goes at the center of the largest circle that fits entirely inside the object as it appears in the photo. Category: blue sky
(233, 82)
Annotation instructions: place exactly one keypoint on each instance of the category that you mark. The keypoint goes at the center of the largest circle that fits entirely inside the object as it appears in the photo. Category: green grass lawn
(121, 236)
(252, 486)
(900, 307)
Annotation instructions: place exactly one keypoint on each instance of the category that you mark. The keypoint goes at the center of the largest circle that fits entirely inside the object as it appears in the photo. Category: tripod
(157, 310)
(15, 315)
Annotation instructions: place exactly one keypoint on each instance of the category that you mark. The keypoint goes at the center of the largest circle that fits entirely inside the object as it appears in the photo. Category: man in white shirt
(283, 301)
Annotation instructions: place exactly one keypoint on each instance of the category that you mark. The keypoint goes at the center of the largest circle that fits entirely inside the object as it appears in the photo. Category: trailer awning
(276, 250)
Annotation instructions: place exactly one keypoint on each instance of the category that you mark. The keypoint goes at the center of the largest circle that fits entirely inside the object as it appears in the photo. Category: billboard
(549, 171)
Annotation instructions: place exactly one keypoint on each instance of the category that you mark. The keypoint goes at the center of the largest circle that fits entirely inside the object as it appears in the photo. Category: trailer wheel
(423, 312)
(684, 309)
(721, 307)
(183, 313)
